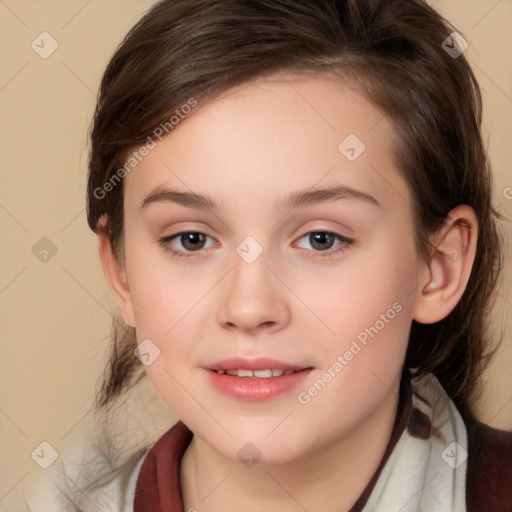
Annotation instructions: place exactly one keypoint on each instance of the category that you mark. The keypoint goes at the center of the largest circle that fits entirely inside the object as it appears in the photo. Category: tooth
(263, 374)
(232, 372)
(221, 372)
(245, 373)
(277, 373)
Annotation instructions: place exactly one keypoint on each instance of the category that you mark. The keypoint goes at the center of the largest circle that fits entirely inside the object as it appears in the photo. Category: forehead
(271, 135)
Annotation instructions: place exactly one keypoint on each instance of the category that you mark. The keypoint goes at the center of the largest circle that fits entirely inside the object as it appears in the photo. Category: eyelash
(345, 243)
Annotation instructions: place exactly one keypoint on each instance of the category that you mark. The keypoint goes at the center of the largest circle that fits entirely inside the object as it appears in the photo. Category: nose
(253, 299)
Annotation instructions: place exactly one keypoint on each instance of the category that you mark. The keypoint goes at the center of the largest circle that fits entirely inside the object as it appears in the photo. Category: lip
(262, 363)
(255, 389)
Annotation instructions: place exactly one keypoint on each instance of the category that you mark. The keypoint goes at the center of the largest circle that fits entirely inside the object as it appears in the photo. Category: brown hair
(392, 51)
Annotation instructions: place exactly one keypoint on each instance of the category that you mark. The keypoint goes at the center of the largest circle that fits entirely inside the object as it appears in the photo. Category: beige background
(55, 315)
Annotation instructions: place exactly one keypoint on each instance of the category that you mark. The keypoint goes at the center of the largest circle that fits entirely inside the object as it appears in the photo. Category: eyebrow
(315, 196)
(188, 199)
(292, 200)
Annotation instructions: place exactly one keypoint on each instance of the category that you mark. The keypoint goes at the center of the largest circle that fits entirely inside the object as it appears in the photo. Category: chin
(254, 447)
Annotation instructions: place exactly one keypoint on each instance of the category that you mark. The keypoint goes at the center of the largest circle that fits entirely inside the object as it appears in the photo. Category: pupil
(318, 239)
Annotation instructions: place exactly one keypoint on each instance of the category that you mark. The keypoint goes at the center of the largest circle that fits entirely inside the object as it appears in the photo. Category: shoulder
(132, 483)
(489, 467)
(85, 482)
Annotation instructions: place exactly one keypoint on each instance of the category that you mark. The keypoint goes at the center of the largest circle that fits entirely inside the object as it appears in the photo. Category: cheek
(163, 293)
(170, 303)
(352, 296)
(367, 305)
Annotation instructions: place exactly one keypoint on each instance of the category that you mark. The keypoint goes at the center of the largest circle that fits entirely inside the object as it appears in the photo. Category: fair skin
(246, 150)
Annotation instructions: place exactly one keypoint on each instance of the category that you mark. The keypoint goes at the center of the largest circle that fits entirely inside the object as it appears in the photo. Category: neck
(330, 478)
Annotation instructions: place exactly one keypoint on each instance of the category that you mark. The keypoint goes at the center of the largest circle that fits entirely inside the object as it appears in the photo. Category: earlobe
(449, 267)
(116, 278)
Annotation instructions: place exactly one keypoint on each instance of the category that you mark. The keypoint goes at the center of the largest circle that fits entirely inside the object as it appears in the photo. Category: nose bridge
(252, 296)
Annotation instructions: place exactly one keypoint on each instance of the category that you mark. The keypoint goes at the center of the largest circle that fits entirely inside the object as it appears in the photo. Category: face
(272, 231)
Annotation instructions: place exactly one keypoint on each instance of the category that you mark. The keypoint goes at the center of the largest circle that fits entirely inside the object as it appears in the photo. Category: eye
(325, 241)
(322, 243)
(190, 242)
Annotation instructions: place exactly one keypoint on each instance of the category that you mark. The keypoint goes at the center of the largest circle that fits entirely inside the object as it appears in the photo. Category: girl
(293, 205)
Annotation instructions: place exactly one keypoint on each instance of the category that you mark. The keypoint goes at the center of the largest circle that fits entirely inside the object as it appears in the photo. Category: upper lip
(262, 363)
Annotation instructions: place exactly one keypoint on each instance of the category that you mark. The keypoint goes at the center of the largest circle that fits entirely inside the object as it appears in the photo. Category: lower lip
(256, 389)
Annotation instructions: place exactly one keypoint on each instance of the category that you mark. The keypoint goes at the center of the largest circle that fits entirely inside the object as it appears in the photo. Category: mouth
(256, 379)
(257, 374)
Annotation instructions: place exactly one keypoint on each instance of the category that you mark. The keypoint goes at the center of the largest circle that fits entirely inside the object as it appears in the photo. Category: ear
(116, 278)
(449, 267)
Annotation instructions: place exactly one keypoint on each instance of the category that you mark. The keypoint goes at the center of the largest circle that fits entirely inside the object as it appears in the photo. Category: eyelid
(323, 229)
